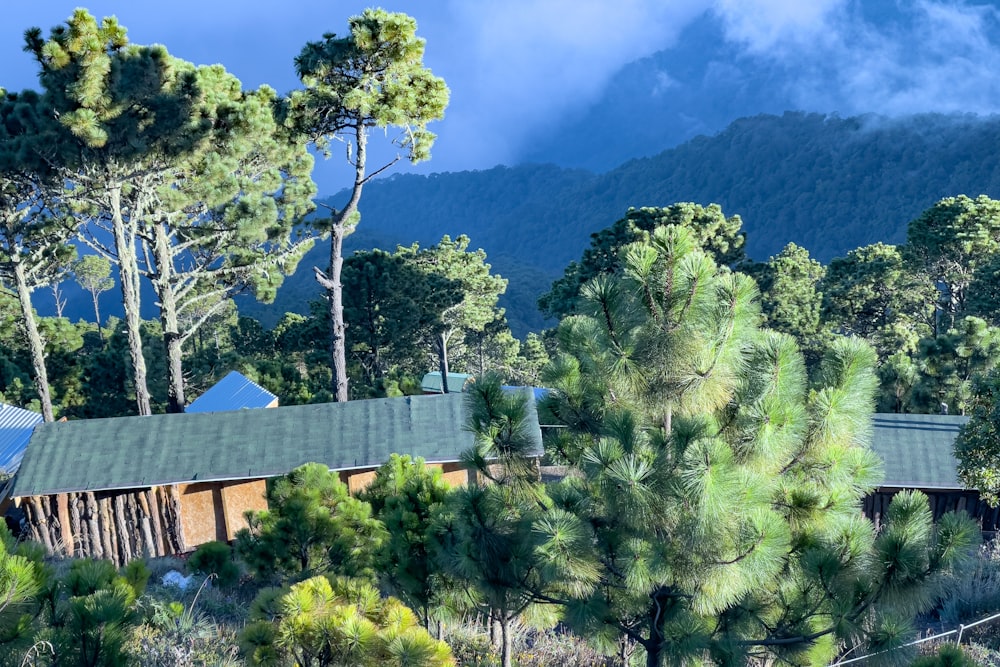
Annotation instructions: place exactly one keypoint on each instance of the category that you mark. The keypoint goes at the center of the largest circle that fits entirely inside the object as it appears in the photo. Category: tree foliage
(125, 113)
(313, 526)
(718, 235)
(872, 293)
(405, 496)
(374, 78)
(950, 241)
(324, 622)
(720, 487)
(34, 239)
(977, 447)
(791, 299)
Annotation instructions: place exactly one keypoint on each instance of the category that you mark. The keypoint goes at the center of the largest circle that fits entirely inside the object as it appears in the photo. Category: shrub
(215, 558)
(948, 655)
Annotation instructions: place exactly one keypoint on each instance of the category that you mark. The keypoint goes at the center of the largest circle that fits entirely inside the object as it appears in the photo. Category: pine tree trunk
(653, 651)
(505, 655)
(97, 313)
(172, 342)
(331, 280)
(494, 630)
(129, 273)
(34, 342)
(442, 350)
(338, 328)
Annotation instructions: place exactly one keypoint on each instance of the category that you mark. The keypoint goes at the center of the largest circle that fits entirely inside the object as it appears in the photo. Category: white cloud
(526, 63)
(934, 56)
(766, 25)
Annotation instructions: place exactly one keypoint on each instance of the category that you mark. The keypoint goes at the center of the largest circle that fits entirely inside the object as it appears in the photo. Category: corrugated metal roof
(233, 392)
(16, 425)
(918, 450)
(130, 452)
(538, 392)
(432, 382)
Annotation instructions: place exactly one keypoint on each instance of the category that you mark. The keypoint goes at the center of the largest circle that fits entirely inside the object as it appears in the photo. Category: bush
(948, 655)
(470, 644)
(215, 558)
(976, 590)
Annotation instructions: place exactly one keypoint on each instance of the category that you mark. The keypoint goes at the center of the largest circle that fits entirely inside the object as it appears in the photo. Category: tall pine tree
(373, 79)
(719, 489)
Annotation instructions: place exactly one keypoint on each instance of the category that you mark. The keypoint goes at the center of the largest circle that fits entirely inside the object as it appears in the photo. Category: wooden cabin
(127, 487)
(918, 451)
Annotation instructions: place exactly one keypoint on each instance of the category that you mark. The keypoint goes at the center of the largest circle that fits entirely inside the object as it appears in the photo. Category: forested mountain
(699, 85)
(826, 183)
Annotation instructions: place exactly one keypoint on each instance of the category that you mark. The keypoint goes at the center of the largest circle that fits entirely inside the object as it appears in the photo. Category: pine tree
(34, 237)
(374, 78)
(405, 496)
(463, 274)
(313, 526)
(328, 622)
(125, 114)
(206, 193)
(93, 273)
(717, 487)
(487, 536)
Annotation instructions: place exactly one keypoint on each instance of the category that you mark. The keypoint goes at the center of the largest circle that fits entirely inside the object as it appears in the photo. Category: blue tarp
(233, 392)
(16, 425)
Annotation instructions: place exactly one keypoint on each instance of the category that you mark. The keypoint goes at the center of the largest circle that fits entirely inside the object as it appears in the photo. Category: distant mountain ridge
(826, 183)
(829, 184)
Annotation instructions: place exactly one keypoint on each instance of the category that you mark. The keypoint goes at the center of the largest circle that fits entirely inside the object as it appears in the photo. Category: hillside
(827, 183)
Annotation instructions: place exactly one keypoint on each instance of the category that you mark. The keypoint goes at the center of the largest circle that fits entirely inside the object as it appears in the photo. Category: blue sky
(516, 67)
(511, 66)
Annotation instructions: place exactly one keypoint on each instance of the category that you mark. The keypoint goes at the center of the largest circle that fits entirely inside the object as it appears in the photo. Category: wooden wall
(134, 523)
(876, 505)
(454, 473)
(165, 520)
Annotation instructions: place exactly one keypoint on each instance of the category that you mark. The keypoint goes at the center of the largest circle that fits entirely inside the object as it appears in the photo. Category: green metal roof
(918, 450)
(134, 452)
(431, 382)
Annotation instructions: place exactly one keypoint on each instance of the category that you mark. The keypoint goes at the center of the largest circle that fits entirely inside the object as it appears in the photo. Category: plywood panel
(202, 516)
(237, 498)
(358, 480)
(455, 474)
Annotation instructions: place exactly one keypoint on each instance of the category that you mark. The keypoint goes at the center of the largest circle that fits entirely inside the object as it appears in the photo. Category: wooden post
(177, 526)
(51, 506)
(39, 522)
(93, 525)
(155, 513)
(150, 547)
(124, 539)
(108, 539)
(73, 500)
